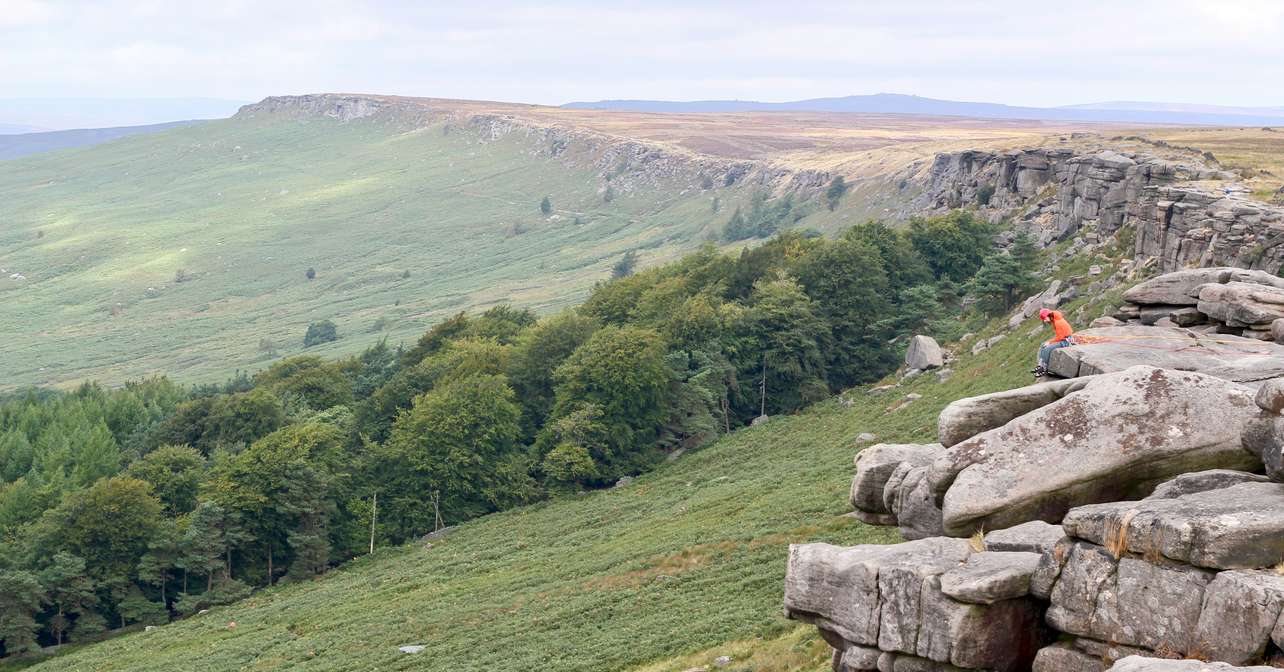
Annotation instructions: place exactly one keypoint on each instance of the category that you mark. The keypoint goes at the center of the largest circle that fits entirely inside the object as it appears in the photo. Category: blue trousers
(1045, 352)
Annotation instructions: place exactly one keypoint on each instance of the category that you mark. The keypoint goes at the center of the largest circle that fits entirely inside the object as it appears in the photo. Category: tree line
(139, 504)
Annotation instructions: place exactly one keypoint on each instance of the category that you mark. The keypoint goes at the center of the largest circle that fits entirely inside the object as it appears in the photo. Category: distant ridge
(24, 144)
(893, 103)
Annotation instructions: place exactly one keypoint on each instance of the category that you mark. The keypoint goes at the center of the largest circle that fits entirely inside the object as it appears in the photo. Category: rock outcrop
(1112, 349)
(1060, 192)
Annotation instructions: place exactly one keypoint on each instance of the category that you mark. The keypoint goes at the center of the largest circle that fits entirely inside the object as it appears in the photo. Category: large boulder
(1110, 349)
(1203, 481)
(965, 418)
(1115, 439)
(875, 464)
(1240, 304)
(909, 498)
(1238, 527)
(1182, 288)
(891, 598)
(1241, 616)
(924, 353)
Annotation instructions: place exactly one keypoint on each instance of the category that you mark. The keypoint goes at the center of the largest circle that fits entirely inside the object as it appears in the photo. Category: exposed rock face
(911, 502)
(891, 598)
(924, 353)
(1035, 536)
(1115, 439)
(1140, 664)
(1179, 224)
(1203, 481)
(965, 418)
(875, 464)
(1111, 349)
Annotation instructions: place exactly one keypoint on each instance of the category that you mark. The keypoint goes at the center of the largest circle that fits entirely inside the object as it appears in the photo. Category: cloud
(1006, 50)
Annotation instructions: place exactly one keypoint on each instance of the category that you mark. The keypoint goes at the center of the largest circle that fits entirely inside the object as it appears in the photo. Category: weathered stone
(1003, 636)
(900, 662)
(1112, 349)
(1187, 317)
(857, 658)
(909, 497)
(1241, 609)
(1129, 601)
(1116, 438)
(1063, 657)
(1270, 396)
(1239, 527)
(1107, 652)
(1051, 563)
(1277, 330)
(990, 577)
(1152, 314)
(1201, 481)
(1242, 303)
(1142, 664)
(1264, 438)
(1035, 536)
(965, 418)
(924, 353)
(1180, 288)
(876, 463)
(838, 589)
(1105, 321)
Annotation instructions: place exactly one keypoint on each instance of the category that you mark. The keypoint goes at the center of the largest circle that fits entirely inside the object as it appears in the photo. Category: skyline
(1185, 51)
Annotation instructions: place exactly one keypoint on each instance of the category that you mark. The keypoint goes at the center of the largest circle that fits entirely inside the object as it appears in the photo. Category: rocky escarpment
(622, 164)
(1179, 217)
(1128, 515)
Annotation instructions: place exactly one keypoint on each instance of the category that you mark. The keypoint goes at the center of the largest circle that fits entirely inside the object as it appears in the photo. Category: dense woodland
(152, 501)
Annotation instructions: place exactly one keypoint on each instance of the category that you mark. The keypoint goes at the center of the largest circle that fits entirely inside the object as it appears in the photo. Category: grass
(245, 206)
(684, 565)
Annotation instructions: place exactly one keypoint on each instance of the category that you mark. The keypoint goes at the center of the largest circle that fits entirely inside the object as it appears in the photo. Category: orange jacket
(1060, 326)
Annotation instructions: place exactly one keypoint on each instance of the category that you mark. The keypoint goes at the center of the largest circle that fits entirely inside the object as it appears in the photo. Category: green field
(683, 565)
(402, 228)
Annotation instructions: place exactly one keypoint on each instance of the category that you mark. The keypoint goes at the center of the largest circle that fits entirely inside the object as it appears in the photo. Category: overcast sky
(1021, 52)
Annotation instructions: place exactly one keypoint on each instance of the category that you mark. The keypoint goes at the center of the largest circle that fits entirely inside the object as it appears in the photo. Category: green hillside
(681, 566)
(402, 228)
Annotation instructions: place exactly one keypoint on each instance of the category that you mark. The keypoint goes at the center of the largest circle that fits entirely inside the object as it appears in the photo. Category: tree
(134, 607)
(71, 591)
(624, 267)
(206, 546)
(1000, 282)
(311, 273)
(779, 341)
(108, 524)
(320, 332)
(318, 383)
(175, 474)
(834, 194)
(164, 552)
(21, 597)
(453, 441)
(622, 371)
(546, 207)
(609, 194)
(850, 291)
(954, 245)
(535, 356)
(917, 308)
(1024, 250)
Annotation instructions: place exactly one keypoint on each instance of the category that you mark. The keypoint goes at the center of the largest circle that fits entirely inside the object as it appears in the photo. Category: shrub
(624, 267)
(320, 332)
(310, 273)
(546, 206)
(837, 187)
(984, 193)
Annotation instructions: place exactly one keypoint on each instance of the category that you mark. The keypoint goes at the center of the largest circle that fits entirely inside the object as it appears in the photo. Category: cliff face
(622, 163)
(1059, 192)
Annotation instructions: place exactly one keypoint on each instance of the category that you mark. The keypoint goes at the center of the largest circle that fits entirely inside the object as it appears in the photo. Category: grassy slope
(684, 565)
(245, 206)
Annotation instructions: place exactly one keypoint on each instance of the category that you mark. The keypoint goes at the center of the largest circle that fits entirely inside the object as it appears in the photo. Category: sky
(1019, 52)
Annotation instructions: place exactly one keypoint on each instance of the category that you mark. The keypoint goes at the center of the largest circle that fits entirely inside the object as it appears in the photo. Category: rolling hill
(185, 251)
(24, 144)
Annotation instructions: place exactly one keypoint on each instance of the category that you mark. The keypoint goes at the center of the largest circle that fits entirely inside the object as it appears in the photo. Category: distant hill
(28, 115)
(23, 144)
(892, 103)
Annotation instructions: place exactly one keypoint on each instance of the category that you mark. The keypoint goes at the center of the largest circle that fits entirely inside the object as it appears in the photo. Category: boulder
(1116, 438)
(924, 353)
(1105, 321)
(1110, 349)
(1187, 317)
(876, 463)
(1240, 304)
(857, 658)
(909, 498)
(1202, 481)
(1264, 439)
(1277, 331)
(1035, 536)
(1128, 601)
(1238, 527)
(965, 418)
(1270, 396)
(1241, 613)
(1063, 657)
(1152, 314)
(990, 577)
(1180, 288)
(1142, 664)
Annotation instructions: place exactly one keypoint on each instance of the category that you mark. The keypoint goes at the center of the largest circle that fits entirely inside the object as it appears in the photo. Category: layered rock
(1112, 349)
(918, 605)
(1116, 438)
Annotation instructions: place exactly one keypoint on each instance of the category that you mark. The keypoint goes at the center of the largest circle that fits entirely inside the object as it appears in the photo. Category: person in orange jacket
(1064, 336)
